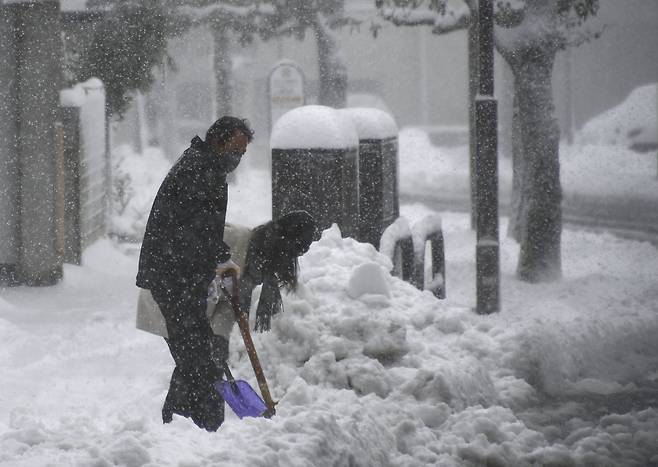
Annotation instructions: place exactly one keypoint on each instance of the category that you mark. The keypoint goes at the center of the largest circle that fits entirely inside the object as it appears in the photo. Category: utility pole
(473, 84)
(486, 169)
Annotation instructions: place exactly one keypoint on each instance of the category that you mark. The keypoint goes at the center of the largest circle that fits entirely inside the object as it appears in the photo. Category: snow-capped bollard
(315, 167)
(378, 171)
(429, 231)
(397, 244)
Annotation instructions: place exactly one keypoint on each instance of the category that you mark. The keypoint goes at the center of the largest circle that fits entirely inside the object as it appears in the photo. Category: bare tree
(528, 35)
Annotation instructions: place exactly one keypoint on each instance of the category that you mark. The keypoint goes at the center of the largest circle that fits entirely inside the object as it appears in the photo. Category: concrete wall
(39, 83)
(30, 78)
(9, 216)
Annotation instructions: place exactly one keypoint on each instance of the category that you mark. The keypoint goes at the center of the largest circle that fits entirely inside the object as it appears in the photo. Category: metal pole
(486, 170)
(473, 83)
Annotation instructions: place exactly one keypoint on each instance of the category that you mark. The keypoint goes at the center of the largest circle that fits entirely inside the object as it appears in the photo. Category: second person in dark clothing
(182, 252)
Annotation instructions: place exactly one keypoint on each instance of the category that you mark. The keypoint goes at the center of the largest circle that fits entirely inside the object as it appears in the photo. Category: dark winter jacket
(183, 241)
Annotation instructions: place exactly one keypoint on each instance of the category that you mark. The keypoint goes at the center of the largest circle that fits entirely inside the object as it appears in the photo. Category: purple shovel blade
(241, 397)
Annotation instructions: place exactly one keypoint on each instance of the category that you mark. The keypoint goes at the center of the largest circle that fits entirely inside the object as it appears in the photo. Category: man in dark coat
(182, 252)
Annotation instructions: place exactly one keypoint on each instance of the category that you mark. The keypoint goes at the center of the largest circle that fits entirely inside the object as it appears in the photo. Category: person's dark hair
(222, 130)
(272, 261)
(276, 245)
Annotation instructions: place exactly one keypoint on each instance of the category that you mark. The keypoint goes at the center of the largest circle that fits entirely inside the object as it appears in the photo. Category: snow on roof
(371, 123)
(314, 127)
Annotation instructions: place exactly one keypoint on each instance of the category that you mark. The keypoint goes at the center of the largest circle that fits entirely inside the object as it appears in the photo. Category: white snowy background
(565, 375)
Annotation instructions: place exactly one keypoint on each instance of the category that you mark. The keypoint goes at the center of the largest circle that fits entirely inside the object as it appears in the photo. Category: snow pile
(369, 278)
(367, 369)
(136, 179)
(403, 380)
(312, 127)
(632, 124)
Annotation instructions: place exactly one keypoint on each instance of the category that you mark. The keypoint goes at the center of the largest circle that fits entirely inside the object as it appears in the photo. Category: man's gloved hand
(224, 275)
(213, 292)
(224, 269)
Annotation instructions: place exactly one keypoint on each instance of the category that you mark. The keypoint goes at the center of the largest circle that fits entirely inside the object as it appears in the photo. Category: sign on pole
(286, 89)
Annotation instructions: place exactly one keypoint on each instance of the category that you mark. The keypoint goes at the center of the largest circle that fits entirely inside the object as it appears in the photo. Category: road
(635, 219)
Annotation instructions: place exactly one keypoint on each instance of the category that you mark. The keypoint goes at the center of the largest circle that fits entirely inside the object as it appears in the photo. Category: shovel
(238, 394)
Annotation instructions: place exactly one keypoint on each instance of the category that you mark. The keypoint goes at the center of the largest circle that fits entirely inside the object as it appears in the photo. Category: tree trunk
(513, 229)
(223, 67)
(332, 78)
(539, 216)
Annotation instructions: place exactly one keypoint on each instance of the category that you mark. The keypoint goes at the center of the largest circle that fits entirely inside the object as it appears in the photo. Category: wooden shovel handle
(243, 324)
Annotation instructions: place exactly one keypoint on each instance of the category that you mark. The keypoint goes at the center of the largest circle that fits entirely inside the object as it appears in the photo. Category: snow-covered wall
(89, 98)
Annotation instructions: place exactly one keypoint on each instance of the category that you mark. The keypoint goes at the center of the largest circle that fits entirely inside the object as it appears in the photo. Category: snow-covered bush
(135, 182)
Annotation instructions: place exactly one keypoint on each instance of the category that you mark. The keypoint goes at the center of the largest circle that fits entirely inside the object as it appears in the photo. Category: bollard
(315, 167)
(487, 276)
(397, 244)
(429, 231)
(378, 171)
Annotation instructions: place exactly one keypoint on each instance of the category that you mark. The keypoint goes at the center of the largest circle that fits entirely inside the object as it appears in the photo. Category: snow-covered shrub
(135, 182)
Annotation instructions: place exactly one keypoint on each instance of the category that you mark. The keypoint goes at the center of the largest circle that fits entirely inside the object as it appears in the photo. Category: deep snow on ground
(564, 375)
(368, 370)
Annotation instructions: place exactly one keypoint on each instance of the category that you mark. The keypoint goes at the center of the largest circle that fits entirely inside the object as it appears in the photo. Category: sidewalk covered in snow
(566, 374)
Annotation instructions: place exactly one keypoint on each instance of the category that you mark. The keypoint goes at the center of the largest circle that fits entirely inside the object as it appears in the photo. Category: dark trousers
(198, 354)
